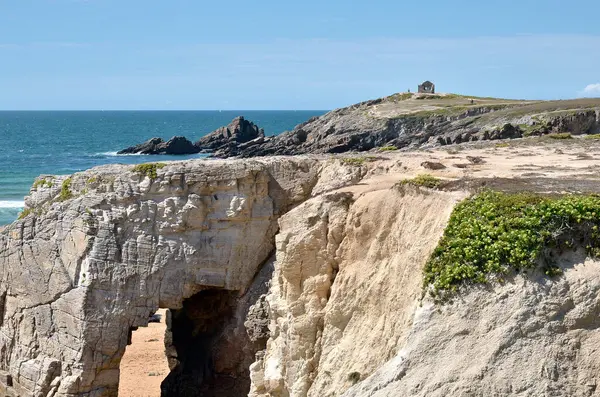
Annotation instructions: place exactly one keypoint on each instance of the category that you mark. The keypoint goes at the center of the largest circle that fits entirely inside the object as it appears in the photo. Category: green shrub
(424, 180)
(44, 182)
(149, 169)
(65, 190)
(25, 213)
(493, 234)
(388, 148)
(563, 135)
(592, 136)
(30, 211)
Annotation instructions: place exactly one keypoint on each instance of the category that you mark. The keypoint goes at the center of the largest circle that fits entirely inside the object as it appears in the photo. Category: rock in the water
(226, 140)
(175, 145)
(223, 142)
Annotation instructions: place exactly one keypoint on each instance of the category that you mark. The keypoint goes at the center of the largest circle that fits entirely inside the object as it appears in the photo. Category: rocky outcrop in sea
(223, 142)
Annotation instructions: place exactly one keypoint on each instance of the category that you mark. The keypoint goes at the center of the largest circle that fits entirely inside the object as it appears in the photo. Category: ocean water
(37, 143)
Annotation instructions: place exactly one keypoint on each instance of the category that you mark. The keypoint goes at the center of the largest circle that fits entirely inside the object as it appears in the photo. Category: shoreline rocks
(177, 145)
(223, 142)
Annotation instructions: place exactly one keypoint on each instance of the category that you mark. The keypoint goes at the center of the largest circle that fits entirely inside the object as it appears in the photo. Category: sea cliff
(293, 276)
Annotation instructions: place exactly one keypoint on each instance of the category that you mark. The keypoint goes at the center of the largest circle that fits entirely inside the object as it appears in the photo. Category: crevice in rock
(2, 307)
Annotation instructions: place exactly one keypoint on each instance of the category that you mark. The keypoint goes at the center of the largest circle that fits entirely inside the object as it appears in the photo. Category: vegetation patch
(423, 180)
(30, 211)
(592, 136)
(540, 128)
(65, 190)
(149, 169)
(388, 148)
(401, 96)
(421, 97)
(493, 234)
(563, 135)
(25, 213)
(44, 182)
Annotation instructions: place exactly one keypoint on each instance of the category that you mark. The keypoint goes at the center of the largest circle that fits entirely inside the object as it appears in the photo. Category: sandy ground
(144, 365)
(561, 161)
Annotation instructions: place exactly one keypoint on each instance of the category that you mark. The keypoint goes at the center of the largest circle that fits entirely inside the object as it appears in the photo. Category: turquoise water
(37, 143)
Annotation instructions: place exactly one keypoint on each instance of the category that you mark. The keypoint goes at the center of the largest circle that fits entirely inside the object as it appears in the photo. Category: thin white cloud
(592, 90)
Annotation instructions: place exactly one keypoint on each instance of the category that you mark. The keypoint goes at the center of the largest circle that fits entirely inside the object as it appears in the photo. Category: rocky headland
(401, 121)
(300, 276)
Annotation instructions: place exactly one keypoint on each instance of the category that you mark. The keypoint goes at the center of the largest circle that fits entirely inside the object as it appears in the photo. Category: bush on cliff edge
(493, 234)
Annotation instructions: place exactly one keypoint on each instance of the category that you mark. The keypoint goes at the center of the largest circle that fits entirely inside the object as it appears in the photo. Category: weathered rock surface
(342, 313)
(530, 337)
(346, 284)
(102, 250)
(176, 145)
(225, 141)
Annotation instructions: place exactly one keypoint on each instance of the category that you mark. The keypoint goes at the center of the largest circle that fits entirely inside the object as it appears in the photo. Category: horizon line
(165, 110)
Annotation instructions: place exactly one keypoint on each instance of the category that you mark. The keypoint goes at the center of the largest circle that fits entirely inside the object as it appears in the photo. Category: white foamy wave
(115, 154)
(11, 204)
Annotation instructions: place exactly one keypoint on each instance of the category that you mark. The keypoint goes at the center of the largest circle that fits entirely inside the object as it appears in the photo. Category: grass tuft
(149, 169)
(65, 190)
(44, 182)
(388, 148)
(423, 180)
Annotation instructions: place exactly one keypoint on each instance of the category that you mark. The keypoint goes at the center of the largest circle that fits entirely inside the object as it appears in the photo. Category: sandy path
(144, 365)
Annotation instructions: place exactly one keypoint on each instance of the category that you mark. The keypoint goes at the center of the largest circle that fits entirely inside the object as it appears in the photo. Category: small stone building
(427, 87)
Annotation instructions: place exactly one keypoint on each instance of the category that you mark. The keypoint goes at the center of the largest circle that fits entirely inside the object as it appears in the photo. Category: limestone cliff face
(285, 277)
(345, 287)
(103, 249)
(531, 337)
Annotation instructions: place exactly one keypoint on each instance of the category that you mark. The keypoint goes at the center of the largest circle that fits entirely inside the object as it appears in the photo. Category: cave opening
(144, 365)
(208, 348)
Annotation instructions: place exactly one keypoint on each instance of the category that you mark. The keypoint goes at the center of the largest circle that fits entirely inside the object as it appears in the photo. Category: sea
(64, 142)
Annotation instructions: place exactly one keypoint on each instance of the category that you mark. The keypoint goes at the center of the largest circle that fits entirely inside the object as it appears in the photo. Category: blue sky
(130, 54)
